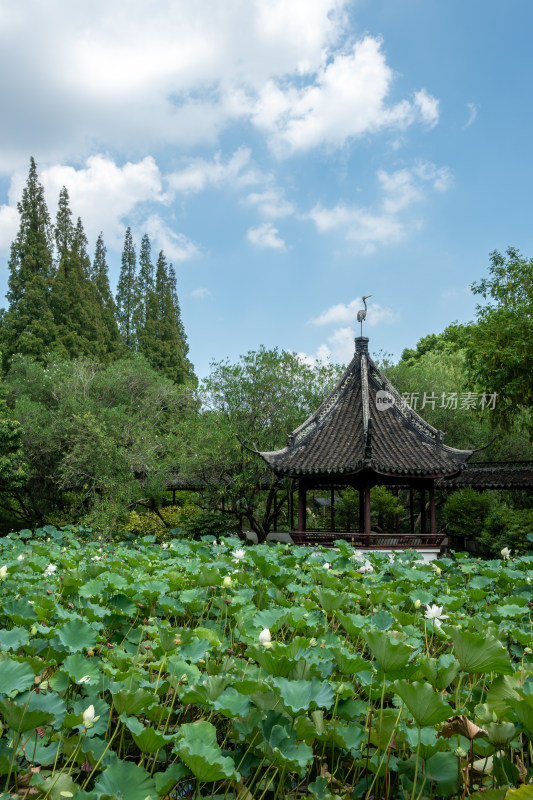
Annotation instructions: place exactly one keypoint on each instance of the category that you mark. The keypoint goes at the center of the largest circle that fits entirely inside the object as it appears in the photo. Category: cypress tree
(100, 279)
(147, 308)
(74, 298)
(188, 375)
(128, 294)
(167, 354)
(28, 325)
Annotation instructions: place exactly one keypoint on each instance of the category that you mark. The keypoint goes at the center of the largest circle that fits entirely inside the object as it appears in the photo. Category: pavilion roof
(354, 430)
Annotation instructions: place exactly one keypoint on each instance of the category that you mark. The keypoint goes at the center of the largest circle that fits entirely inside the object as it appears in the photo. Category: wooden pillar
(422, 510)
(432, 518)
(361, 511)
(367, 510)
(301, 507)
(291, 506)
(411, 510)
(332, 509)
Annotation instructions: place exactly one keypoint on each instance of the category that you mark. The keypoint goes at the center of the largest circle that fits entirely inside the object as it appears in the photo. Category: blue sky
(288, 155)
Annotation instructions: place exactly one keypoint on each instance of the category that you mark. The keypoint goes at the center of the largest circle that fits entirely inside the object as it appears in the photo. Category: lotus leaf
(197, 747)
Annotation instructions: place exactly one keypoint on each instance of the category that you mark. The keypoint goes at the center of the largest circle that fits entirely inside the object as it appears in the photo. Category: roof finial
(361, 314)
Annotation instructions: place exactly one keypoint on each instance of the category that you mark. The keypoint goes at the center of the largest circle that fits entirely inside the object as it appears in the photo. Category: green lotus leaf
(19, 719)
(439, 672)
(50, 703)
(128, 702)
(19, 611)
(480, 653)
(426, 706)
(274, 660)
(126, 781)
(302, 695)
(331, 601)
(197, 747)
(77, 635)
(353, 623)
(149, 740)
(13, 639)
(59, 787)
(165, 781)
(15, 676)
(232, 703)
(124, 603)
(390, 653)
(349, 663)
(78, 666)
(522, 793)
(180, 670)
(523, 708)
(280, 744)
(442, 768)
(271, 618)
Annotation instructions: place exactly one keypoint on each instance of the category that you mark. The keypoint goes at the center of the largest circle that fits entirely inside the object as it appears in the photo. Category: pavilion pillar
(432, 519)
(361, 510)
(302, 505)
(411, 510)
(422, 510)
(291, 506)
(367, 509)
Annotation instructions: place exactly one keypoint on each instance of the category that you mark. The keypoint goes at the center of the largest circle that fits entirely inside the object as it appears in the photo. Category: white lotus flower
(435, 614)
(506, 552)
(20, 558)
(326, 565)
(367, 567)
(164, 546)
(50, 569)
(89, 717)
(357, 556)
(264, 638)
(85, 679)
(239, 554)
(3, 572)
(227, 582)
(437, 569)
(417, 603)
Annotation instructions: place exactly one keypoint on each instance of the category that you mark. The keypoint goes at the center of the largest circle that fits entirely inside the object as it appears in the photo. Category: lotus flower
(227, 582)
(50, 569)
(417, 603)
(164, 546)
(238, 555)
(20, 557)
(506, 552)
(89, 718)
(3, 572)
(437, 569)
(326, 565)
(435, 614)
(367, 567)
(85, 679)
(264, 638)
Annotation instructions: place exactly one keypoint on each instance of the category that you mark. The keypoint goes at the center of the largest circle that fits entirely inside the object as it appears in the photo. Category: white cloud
(266, 235)
(199, 173)
(346, 98)
(389, 221)
(347, 313)
(177, 246)
(9, 223)
(271, 203)
(201, 292)
(472, 114)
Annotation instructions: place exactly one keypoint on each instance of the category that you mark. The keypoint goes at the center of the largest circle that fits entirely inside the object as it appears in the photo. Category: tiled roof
(493, 475)
(354, 430)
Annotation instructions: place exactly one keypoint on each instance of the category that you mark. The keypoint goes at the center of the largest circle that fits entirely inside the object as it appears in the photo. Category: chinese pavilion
(364, 435)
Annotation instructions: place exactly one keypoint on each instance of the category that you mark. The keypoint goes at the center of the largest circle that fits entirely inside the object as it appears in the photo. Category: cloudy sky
(288, 156)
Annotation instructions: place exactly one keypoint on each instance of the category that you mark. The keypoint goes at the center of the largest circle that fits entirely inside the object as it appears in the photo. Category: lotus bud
(417, 603)
(265, 638)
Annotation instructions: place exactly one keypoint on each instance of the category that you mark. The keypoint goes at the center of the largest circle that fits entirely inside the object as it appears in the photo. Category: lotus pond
(199, 669)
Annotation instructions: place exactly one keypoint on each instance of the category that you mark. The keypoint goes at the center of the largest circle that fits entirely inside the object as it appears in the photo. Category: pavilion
(364, 435)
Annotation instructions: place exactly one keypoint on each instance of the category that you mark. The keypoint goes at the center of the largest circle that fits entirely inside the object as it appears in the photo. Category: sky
(289, 156)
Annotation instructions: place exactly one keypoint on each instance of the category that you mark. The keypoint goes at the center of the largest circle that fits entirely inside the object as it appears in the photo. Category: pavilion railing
(372, 541)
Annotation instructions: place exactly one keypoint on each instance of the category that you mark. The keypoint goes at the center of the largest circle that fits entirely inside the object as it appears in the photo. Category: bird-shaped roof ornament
(361, 314)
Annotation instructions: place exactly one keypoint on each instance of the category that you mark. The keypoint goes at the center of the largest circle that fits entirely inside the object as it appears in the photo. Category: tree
(28, 325)
(100, 279)
(261, 399)
(127, 298)
(75, 301)
(98, 440)
(166, 347)
(499, 350)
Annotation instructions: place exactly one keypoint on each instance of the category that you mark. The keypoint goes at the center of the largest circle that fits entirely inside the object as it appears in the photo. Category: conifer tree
(100, 279)
(28, 325)
(167, 354)
(127, 299)
(147, 308)
(74, 298)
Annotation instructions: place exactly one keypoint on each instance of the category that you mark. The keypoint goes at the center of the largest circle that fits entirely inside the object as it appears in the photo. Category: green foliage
(100, 438)
(465, 511)
(506, 527)
(127, 299)
(499, 349)
(145, 671)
